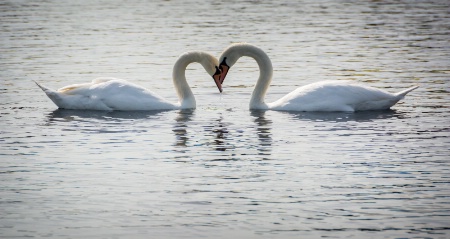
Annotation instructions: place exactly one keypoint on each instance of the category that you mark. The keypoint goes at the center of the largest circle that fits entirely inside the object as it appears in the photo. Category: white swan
(116, 94)
(320, 96)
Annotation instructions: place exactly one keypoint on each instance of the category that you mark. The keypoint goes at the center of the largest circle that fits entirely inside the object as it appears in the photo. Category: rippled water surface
(222, 171)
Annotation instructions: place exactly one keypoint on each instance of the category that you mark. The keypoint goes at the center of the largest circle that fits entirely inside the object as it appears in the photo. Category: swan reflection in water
(181, 125)
(241, 140)
(69, 115)
(217, 132)
(94, 121)
(221, 135)
(222, 138)
(360, 116)
(263, 129)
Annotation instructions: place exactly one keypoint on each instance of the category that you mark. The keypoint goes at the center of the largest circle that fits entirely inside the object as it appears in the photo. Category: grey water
(221, 170)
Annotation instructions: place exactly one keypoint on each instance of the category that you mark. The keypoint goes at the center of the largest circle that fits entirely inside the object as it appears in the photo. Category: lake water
(221, 170)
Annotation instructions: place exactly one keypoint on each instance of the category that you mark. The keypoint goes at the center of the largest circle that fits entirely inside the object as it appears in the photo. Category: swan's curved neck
(185, 95)
(265, 75)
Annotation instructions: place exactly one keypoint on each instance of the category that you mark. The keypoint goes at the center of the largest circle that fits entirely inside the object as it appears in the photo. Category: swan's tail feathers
(45, 89)
(50, 93)
(53, 95)
(402, 93)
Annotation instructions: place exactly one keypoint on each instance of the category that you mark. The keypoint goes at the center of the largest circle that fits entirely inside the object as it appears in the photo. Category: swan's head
(231, 55)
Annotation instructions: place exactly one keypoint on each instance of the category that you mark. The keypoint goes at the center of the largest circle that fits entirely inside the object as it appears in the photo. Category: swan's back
(124, 95)
(337, 96)
(107, 94)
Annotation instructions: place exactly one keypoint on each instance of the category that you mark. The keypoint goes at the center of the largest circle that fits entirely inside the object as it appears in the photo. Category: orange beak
(216, 78)
(224, 69)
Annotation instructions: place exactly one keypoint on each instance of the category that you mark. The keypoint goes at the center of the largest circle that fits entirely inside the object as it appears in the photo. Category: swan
(321, 96)
(110, 94)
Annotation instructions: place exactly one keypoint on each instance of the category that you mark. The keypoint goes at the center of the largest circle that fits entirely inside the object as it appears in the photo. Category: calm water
(222, 171)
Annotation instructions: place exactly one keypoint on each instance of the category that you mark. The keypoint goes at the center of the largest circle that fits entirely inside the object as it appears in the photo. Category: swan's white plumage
(336, 96)
(107, 94)
(116, 94)
(320, 96)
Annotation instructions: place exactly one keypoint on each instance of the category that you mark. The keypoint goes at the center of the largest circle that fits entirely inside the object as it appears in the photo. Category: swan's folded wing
(334, 96)
(124, 95)
(100, 80)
